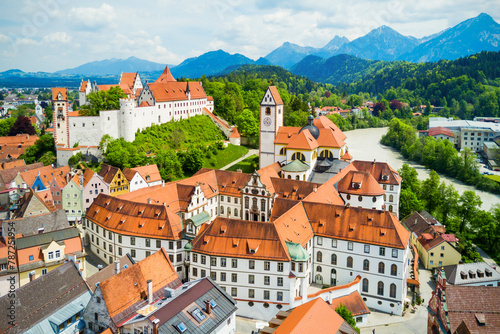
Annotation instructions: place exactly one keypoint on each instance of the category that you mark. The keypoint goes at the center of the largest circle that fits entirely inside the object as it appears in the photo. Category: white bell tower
(271, 118)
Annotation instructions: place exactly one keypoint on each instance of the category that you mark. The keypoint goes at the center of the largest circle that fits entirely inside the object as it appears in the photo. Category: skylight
(198, 314)
(181, 327)
(212, 303)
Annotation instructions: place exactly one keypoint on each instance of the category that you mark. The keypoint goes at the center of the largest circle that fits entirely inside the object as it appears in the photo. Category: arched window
(283, 151)
(385, 198)
(360, 198)
(268, 111)
(366, 265)
(391, 198)
(394, 270)
(297, 177)
(390, 208)
(319, 257)
(334, 259)
(254, 203)
(247, 202)
(381, 267)
(236, 212)
(221, 210)
(365, 285)
(318, 269)
(326, 154)
(262, 205)
(289, 177)
(298, 156)
(349, 262)
(392, 291)
(228, 211)
(380, 288)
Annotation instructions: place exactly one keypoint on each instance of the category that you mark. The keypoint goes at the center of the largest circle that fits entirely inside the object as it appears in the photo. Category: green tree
(103, 100)
(43, 147)
(169, 165)
(469, 204)
(248, 125)
(449, 203)
(192, 160)
(430, 192)
(5, 126)
(344, 312)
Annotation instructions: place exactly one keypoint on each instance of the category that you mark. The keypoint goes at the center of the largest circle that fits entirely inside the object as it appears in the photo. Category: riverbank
(364, 144)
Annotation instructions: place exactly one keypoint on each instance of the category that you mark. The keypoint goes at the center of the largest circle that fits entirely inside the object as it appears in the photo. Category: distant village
(311, 231)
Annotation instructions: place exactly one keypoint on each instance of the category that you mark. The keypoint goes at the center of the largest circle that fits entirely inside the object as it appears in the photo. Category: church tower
(271, 118)
(60, 117)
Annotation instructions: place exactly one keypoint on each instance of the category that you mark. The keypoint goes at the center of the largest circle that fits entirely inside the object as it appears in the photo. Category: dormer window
(356, 185)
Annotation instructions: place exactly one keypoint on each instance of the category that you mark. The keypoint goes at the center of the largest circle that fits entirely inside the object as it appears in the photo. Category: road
(250, 153)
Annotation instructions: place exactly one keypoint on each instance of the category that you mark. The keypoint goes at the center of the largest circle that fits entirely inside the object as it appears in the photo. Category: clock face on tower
(267, 121)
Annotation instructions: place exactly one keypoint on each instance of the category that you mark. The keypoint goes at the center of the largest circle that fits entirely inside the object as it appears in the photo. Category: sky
(51, 35)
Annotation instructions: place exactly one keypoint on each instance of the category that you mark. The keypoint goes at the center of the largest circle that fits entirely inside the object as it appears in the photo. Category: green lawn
(493, 177)
(224, 157)
(249, 165)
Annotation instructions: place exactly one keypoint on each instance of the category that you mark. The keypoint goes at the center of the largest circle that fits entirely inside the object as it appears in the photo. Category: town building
(118, 298)
(11, 147)
(315, 316)
(72, 198)
(93, 185)
(463, 309)
(438, 133)
(472, 274)
(53, 303)
(115, 179)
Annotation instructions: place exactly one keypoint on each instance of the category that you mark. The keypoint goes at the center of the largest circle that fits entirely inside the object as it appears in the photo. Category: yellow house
(114, 177)
(436, 251)
(40, 253)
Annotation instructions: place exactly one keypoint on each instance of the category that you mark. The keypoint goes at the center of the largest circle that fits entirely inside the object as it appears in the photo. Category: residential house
(135, 180)
(53, 303)
(93, 185)
(150, 174)
(34, 204)
(437, 251)
(463, 309)
(72, 198)
(109, 271)
(472, 274)
(195, 307)
(315, 316)
(439, 132)
(116, 180)
(41, 253)
(11, 192)
(118, 298)
(14, 146)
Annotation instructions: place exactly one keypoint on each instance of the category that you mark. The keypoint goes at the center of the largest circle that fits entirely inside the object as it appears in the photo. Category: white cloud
(4, 38)
(93, 18)
(57, 37)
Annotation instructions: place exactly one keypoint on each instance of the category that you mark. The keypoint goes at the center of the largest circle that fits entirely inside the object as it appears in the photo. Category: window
(395, 253)
(319, 256)
(170, 245)
(132, 252)
(380, 288)
(119, 251)
(262, 205)
(442, 255)
(203, 259)
(301, 267)
(283, 151)
(381, 251)
(234, 263)
(367, 248)
(132, 241)
(280, 281)
(44, 271)
(266, 294)
(267, 281)
(179, 257)
(366, 265)
(442, 247)
(279, 296)
(349, 245)
(251, 279)
(318, 269)
(213, 261)
(365, 285)
(51, 255)
(268, 111)
(234, 292)
(334, 259)
(251, 264)
(195, 271)
(391, 198)
(148, 242)
(234, 278)
(392, 291)
(280, 266)
(158, 243)
(334, 243)
(381, 268)
(195, 257)
(221, 210)
(360, 198)
(319, 241)
(394, 270)
(298, 156)
(349, 262)
(222, 262)
(223, 277)
(251, 293)
(31, 257)
(267, 265)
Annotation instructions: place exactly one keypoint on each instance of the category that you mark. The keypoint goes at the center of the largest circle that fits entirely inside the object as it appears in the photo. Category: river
(364, 144)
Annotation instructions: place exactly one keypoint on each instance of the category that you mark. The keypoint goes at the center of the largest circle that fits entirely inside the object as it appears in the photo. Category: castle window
(298, 156)
(326, 154)
(283, 151)
(268, 111)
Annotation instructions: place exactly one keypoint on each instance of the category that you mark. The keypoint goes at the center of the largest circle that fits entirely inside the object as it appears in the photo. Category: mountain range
(474, 35)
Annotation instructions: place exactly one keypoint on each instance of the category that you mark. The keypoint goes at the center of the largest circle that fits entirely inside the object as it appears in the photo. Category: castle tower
(271, 118)
(60, 117)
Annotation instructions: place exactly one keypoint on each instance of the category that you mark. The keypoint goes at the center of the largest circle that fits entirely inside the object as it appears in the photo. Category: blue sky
(50, 35)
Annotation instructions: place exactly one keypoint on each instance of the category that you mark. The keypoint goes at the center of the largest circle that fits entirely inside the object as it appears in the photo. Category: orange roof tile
(163, 195)
(328, 138)
(129, 174)
(315, 316)
(176, 91)
(276, 95)
(125, 289)
(286, 134)
(209, 98)
(357, 224)
(368, 185)
(144, 104)
(131, 218)
(323, 122)
(293, 225)
(150, 172)
(267, 173)
(378, 170)
(166, 76)
(353, 302)
(106, 87)
(21, 139)
(347, 156)
(232, 240)
(293, 189)
(234, 133)
(87, 175)
(75, 113)
(11, 164)
(128, 80)
(57, 90)
(83, 86)
(303, 141)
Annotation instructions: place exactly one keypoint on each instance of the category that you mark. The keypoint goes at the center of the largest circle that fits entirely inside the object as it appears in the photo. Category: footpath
(250, 153)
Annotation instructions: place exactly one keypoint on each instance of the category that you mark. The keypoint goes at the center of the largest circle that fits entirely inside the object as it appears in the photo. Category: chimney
(168, 293)
(150, 291)
(315, 188)
(208, 308)
(117, 267)
(149, 200)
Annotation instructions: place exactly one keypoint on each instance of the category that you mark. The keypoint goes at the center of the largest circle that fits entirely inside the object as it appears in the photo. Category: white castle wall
(84, 130)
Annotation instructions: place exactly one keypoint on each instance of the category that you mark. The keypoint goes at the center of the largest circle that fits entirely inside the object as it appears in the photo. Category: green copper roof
(295, 166)
(296, 251)
(188, 246)
(199, 219)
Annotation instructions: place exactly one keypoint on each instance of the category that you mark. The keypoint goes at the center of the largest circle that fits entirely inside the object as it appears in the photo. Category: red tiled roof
(303, 141)
(57, 90)
(234, 133)
(149, 171)
(83, 86)
(166, 76)
(440, 131)
(353, 302)
(368, 185)
(176, 91)
(276, 95)
(323, 122)
(378, 170)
